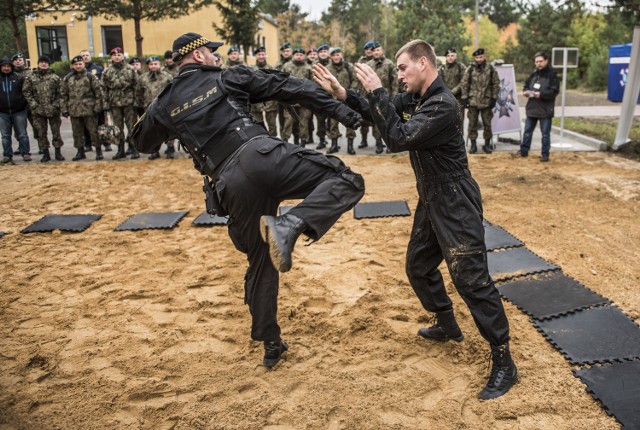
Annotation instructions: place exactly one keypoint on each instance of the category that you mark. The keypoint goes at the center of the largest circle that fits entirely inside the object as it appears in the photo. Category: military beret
(152, 58)
(77, 59)
(134, 60)
(168, 54)
(44, 58)
(298, 51)
(259, 49)
(335, 50)
(15, 57)
(116, 50)
(309, 51)
(233, 49)
(376, 44)
(479, 51)
(450, 51)
(189, 42)
(285, 45)
(368, 45)
(323, 47)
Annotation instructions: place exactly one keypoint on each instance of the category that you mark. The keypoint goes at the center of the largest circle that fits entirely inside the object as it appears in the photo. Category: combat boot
(170, 152)
(58, 154)
(504, 373)
(334, 147)
(46, 156)
(379, 146)
(322, 144)
(154, 155)
(303, 142)
(474, 147)
(87, 147)
(99, 155)
(129, 150)
(281, 234)
(446, 328)
(80, 155)
(120, 154)
(310, 138)
(273, 352)
(296, 140)
(134, 153)
(363, 142)
(487, 147)
(350, 149)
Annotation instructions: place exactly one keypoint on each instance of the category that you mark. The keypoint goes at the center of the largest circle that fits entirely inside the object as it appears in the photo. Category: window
(111, 38)
(52, 42)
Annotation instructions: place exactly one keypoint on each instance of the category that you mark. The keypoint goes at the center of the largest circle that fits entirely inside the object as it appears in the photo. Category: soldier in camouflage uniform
(386, 71)
(346, 76)
(480, 87)
(42, 91)
(137, 65)
(452, 73)
(118, 86)
(312, 57)
(285, 57)
(266, 112)
(169, 66)
(82, 100)
(323, 120)
(148, 87)
(298, 68)
(233, 58)
(365, 58)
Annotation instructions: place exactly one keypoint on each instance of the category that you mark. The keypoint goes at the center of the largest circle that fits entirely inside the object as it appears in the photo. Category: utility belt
(215, 154)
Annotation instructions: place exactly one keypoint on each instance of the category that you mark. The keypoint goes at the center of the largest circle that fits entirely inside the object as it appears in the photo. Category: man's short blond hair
(417, 49)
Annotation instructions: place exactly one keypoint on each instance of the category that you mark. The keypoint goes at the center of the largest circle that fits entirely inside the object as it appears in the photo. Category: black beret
(15, 57)
(168, 54)
(450, 51)
(298, 51)
(285, 45)
(44, 58)
(479, 51)
(77, 59)
(233, 49)
(189, 42)
(323, 47)
(259, 49)
(134, 60)
(335, 50)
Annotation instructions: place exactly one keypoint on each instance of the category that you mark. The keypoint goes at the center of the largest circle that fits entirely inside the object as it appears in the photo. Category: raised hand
(368, 77)
(328, 82)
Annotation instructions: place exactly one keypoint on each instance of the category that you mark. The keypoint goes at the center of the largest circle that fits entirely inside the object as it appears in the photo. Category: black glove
(465, 103)
(492, 104)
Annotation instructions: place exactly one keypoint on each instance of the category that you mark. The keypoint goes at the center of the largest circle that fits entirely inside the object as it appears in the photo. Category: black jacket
(11, 98)
(208, 109)
(545, 81)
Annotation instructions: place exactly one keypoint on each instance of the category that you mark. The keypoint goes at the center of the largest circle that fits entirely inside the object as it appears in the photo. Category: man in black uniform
(426, 121)
(208, 109)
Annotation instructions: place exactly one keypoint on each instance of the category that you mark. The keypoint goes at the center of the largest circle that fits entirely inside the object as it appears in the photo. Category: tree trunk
(16, 33)
(136, 22)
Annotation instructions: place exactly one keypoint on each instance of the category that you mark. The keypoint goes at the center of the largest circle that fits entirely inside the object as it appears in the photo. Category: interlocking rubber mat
(2, 233)
(496, 237)
(516, 262)
(74, 223)
(596, 335)
(551, 294)
(617, 386)
(152, 221)
(381, 209)
(204, 219)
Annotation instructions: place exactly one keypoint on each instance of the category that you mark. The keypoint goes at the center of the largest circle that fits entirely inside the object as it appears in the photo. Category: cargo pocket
(468, 268)
(268, 145)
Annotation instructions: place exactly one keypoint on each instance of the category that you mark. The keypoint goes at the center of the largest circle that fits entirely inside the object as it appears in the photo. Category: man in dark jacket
(247, 173)
(13, 112)
(426, 121)
(541, 89)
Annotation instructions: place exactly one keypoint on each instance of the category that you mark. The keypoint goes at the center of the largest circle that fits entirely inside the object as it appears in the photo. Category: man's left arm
(495, 83)
(149, 133)
(550, 92)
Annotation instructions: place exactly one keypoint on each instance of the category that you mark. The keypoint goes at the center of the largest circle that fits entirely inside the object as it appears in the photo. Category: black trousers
(254, 182)
(448, 226)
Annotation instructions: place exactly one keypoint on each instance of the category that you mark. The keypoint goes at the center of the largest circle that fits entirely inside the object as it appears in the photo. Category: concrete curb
(596, 144)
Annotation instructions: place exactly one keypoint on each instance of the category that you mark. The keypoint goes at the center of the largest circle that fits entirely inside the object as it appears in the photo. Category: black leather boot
(350, 149)
(487, 147)
(310, 138)
(99, 155)
(46, 157)
(154, 155)
(446, 328)
(170, 152)
(363, 142)
(134, 153)
(504, 373)
(58, 154)
(80, 155)
(322, 144)
(379, 146)
(303, 142)
(273, 352)
(120, 154)
(474, 147)
(296, 140)
(129, 150)
(334, 147)
(281, 234)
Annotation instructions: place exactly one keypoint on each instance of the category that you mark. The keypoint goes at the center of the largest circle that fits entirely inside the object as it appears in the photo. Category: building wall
(157, 36)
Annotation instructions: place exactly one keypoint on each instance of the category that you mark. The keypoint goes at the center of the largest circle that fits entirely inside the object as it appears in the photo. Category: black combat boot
(474, 147)
(120, 154)
(446, 328)
(379, 146)
(487, 147)
(46, 156)
(334, 147)
(363, 142)
(79, 155)
(154, 155)
(310, 138)
(303, 142)
(350, 149)
(296, 140)
(322, 144)
(134, 153)
(281, 234)
(170, 152)
(99, 155)
(58, 154)
(129, 149)
(87, 147)
(273, 352)
(503, 373)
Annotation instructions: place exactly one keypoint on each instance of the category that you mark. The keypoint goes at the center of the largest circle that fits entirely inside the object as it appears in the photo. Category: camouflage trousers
(268, 118)
(486, 114)
(303, 124)
(334, 130)
(78, 125)
(121, 116)
(40, 130)
(323, 125)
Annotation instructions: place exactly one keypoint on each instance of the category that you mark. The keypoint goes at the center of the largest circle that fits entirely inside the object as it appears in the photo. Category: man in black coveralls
(426, 121)
(247, 172)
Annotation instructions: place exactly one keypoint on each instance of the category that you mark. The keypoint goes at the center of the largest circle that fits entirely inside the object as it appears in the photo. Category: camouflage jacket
(42, 91)
(280, 64)
(172, 70)
(23, 71)
(324, 62)
(267, 106)
(228, 64)
(81, 94)
(386, 71)
(119, 85)
(452, 75)
(344, 73)
(149, 86)
(298, 70)
(480, 84)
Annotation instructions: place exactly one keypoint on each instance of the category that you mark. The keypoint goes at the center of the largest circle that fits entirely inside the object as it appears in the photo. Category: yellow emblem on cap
(193, 45)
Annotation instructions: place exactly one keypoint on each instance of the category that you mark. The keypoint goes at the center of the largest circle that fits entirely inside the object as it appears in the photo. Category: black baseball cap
(189, 42)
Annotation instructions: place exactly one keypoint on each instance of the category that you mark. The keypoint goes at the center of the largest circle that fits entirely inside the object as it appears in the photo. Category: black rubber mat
(152, 221)
(2, 233)
(516, 262)
(74, 223)
(496, 237)
(549, 294)
(381, 209)
(617, 386)
(204, 220)
(597, 335)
